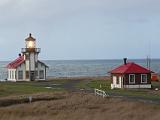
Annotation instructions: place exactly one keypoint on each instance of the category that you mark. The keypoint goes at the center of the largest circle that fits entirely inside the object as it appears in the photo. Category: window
(41, 74)
(27, 74)
(12, 74)
(20, 75)
(36, 64)
(132, 78)
(36, 74)
(117, 80)
(144, 78)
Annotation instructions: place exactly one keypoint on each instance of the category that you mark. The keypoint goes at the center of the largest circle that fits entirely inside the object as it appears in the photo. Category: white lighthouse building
(27, 67)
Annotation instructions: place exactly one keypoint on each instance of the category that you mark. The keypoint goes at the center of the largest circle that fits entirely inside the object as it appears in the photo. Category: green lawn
(20, 88)
(146, 93)
(100, 84)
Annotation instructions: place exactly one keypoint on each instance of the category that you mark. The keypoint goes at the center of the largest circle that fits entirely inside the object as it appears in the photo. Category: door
(32, 75)
(114, 81)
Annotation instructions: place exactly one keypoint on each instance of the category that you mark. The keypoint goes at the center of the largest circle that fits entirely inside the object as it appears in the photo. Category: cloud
(19, 10)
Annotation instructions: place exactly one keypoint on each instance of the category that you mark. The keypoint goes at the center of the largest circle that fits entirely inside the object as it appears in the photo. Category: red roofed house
(130, 75)
(27, 67)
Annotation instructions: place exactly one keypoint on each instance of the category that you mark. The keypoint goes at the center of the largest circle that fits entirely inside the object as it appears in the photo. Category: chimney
(125, 61)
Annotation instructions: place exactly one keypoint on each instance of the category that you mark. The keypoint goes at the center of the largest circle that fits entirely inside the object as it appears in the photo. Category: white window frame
(146, 78)
(130, 77)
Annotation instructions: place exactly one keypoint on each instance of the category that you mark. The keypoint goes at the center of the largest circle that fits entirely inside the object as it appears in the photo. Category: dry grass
(80, 106)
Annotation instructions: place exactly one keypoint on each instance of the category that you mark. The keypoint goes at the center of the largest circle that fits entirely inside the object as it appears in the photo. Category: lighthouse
(27, 66)
(30, 54)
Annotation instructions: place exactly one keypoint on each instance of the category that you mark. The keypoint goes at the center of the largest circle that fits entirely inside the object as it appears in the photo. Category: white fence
(100, 92)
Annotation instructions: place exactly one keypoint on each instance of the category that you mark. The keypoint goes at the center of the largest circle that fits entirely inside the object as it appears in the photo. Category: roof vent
(30, 35)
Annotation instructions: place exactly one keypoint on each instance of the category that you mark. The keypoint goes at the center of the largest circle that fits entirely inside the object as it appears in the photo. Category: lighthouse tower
(30, 54)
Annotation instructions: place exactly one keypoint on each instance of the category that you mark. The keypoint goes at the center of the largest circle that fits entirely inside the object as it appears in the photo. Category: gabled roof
(14, 64)
(130, 68)
(43, 63)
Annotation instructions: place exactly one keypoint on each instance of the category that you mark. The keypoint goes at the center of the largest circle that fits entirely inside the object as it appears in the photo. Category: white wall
(13, 73)
(41, 67)
(32, 61)
(27, 65)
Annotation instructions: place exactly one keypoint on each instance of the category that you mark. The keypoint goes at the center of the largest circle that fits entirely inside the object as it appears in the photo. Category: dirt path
(71, 86)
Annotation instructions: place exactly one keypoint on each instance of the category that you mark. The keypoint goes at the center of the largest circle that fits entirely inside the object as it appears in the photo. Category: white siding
(27, 65)
(22, 68)
(13, 73)
(115, 85)
(32, 61)
(36, 57)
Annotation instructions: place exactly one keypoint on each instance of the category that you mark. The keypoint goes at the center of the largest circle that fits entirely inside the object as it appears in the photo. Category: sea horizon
(84, 68)
(88, 59)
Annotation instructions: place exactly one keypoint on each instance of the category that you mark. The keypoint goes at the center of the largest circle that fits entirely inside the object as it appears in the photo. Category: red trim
(14, 64)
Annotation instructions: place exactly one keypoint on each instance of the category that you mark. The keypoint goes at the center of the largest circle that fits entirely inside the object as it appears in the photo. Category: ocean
(78, 68)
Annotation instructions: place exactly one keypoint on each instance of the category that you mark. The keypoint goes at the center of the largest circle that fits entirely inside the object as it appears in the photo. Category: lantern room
(30, 42)
(30, 45)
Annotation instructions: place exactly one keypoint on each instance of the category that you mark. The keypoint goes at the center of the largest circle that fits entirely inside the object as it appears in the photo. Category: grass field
(59, 104)
(80, 106)
(20, 88)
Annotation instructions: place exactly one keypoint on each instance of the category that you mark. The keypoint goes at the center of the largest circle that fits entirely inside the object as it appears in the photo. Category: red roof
(130, 68)
(16, 62)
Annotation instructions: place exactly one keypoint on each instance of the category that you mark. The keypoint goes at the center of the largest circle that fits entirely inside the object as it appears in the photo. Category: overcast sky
(81, 29)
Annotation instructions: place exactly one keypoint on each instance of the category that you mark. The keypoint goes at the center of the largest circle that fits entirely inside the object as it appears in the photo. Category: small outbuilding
(130, 75)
